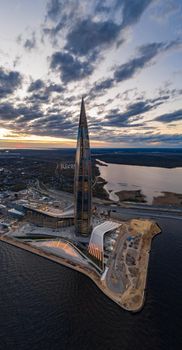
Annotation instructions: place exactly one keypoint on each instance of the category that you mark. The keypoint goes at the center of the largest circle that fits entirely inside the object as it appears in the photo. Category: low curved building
(96, 244)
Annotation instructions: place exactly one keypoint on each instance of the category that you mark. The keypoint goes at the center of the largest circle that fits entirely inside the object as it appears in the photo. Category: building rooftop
(54, 212)
(97, 236)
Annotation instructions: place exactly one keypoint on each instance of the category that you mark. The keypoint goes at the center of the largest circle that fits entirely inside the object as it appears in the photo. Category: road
(128, 213)
(122, 213)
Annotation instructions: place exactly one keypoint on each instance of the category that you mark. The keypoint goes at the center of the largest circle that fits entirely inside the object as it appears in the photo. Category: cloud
(133, 113)
(170, 117)
(53, 9)
(16, 61)
(63, 10)
(102, 7)
(41, 91)
(9, 82)
(69, 67)
(132, 10)
(36, 85)
(57, 125)
(100, 87)
(166, 9)
(37, 97)
(89, 27)
(174, 139)
(149, 138)
(170, 92)
(31, 119)
(146, 54)
(60, 12)
(20, 114)
(31, 42)
(88, 35)
(7, 112)
(52, 87)
(84, 29)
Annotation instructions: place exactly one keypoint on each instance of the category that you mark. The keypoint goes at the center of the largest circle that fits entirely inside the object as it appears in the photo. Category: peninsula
(80, 233)
(125, 274)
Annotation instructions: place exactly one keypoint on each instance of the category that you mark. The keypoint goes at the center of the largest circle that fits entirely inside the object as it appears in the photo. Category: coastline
(165, 198)
(126, 300)
(159, 159)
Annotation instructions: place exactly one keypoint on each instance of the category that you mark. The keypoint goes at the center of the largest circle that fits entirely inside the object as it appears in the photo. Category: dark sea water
(46, 306)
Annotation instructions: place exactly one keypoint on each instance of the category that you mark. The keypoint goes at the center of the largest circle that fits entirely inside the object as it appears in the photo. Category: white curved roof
(97, 235)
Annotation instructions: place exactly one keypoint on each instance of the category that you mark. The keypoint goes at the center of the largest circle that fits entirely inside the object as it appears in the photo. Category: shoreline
(164, 198)
(57, 260)
(124, 300)
(168, 160)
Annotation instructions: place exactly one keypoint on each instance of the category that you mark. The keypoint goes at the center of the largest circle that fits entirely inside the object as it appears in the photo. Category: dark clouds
(170, 117)
(63, 11)
(100, 87)
(36, 85)
(126, 71)
(146, 54)
(9, 82)
(88, 28)
(53, 9)
(52, 87)
(132, 10)
(58, 122)
(72, 68)
(41, 91)
(84, 30)
(82, 14)
(133, 113)
(19, 114)
(148, 139)
(32, 120)
(7, 112)
(69, 67)
(88, 35)
(30, 43)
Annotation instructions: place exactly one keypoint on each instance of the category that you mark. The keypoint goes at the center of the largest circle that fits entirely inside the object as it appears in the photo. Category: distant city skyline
(124, 56)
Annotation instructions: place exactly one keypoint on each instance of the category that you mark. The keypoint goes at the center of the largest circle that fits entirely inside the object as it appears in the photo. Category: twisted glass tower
(83, 179)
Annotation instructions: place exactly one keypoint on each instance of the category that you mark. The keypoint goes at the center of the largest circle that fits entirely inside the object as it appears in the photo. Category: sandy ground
(133, 297)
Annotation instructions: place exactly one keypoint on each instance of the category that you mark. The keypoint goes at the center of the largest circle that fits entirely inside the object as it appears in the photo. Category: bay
(152, 181)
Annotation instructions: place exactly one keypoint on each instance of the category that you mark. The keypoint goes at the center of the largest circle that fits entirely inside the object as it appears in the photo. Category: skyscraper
(83, 179)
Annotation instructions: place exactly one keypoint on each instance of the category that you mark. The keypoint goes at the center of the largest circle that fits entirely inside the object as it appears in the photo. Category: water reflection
(151, 180)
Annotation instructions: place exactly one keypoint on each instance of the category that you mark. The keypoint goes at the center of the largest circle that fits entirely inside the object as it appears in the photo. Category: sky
(123, 56)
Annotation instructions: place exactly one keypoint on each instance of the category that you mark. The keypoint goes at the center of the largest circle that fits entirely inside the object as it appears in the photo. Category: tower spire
(82, 181)
(83, 119)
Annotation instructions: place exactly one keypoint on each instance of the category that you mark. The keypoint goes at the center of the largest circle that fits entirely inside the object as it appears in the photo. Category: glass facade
(83, 179)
